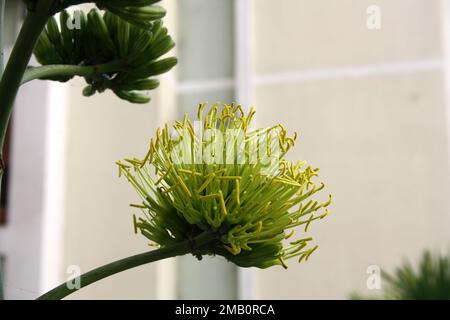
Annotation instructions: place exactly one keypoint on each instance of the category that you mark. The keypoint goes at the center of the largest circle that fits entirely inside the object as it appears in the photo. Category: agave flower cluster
(207, 179)
(133, 11)
(123, 45)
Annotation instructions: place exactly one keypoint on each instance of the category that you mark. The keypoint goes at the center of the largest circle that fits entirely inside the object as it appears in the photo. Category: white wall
(371, 111)
(20, 237)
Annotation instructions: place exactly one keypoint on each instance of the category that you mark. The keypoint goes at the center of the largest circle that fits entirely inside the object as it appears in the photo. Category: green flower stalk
(217, 176)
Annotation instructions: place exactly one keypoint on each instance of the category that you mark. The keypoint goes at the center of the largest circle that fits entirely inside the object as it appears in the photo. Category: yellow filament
(283, 263)
(149, 153)
(287, 182)
(170, 189)
(135, 226)
(209, 196)
(140, 206)
(184, 187)
(222, 203)
(164, 175)
(238, 191)
(191, 172)
(228, 178)
(290, 234)
(310, 252)
(208, 180)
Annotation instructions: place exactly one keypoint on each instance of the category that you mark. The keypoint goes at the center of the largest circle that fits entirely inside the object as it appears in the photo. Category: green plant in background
(429, 280)
(209, 197)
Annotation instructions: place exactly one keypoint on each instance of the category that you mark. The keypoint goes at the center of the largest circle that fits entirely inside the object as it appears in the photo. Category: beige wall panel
(381, 145)
(293, 35)
(98, 222)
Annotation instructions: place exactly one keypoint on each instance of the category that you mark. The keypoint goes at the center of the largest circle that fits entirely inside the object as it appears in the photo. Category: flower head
(123, 55)
(218, 176)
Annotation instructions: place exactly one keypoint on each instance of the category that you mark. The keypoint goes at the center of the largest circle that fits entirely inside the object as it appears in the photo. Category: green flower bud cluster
(251, 214)
(137, 12)
(99, 39)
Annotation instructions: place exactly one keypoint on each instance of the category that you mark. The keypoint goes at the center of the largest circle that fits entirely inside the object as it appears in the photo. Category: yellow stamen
(330, 200)
(287, 182)
(170, 189)
(308, 254)
(184, 187)
(208, 180)
(135, 226)
(283, 263)
(200, 110)
(311, 218)
(149, 153)
(290, 234)
(222, 203)
(219, 171)
(259, 227)
(209, 196)
(140, 206)
(228, 178)
(191, 172)
(238, 191)
(164, 175)
(324, 214)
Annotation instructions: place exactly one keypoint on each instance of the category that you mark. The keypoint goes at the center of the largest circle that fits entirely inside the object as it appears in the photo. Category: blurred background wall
(371, 108)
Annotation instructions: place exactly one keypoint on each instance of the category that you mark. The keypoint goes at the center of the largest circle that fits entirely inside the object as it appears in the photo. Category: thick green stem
(2, 28)
(2, 33)
(107, 270)
(48, 71)
(20, 56)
